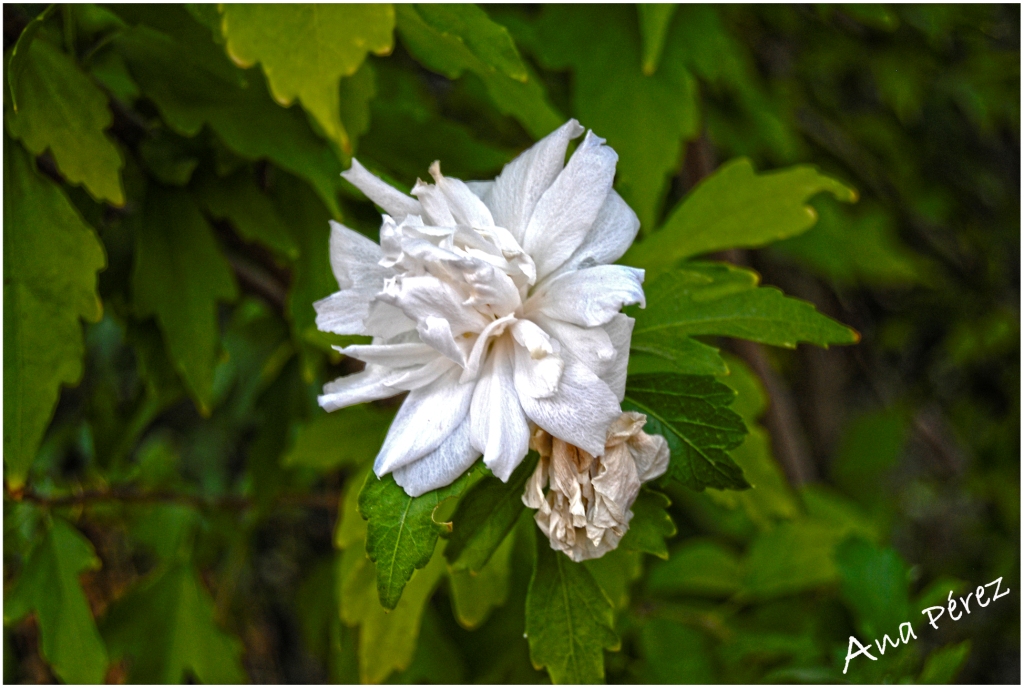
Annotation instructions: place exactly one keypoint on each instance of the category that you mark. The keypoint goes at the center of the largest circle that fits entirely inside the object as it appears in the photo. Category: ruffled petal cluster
(494, 305)
(586, 509)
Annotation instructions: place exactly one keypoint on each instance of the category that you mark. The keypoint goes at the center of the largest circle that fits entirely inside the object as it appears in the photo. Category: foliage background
(177, 506)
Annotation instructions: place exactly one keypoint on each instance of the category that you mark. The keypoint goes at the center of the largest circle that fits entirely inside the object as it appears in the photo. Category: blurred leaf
(943, 664)
(873, 14)
(791, 558)
(306, 49)
(737, 208)
(351, 528)
(650, 525)
(350, 436)
(48, 585)
(241, 113)
(475, 594)
(615, 572)
(167, 159)
(179, 277)
(674, 654)
(20, 57)
(849, 249)
(569, 619)
(655, 20)
(450, 39)
(691, 413)
(166, 627)
(646, 119)
(870, 446)
(387, 639)
(401, 531)
(251, 212)
(837, 512)
(719, 299)
(50, 261)
(699, 567)
(484, 517)
(437, 659)
(60, 109)
(874, 584)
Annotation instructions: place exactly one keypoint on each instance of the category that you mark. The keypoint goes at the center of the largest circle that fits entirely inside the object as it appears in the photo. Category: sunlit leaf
(654, 24)
(61, 109)
(650, 525)
(306, 49)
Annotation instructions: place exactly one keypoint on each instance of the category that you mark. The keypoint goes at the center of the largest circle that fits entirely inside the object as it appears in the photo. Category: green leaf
(20, 55)
(251, 212)
(791, 558)
(387, 639)
(655, 20)
(179, 277)
(650, 525)
(484, 517)
(737, 208)
(475, 594)
(50, 261)
(674, 350)
(569, 619)
(306, 49)
(874, 583)
(691, 413)
(217, 93)
(943, 665)
(350, 436)
(720, 299)
(453, 39)
(615, 572)
(401, 531)
(699, 567)
(61, 109)
(166, 626)
(49, 586)
(646, 119)
(674, 654)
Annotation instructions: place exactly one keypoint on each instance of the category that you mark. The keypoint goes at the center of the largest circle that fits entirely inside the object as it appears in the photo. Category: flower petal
(391, 355)
(421, 296)
(387, 321)
(427, 417)
(620, 330)
(435, 205)
(437, 333)
(589, 297)
(407, 379)
(466, 207)
(579, 412)
(357, 388)
(354, 260)
(440, 467)
(523, 181)
(499, 427)
(538, 367)
(612, 233)
(479, 351)
(567, 210)
(393, 201)
(480, 189)
(590, 345)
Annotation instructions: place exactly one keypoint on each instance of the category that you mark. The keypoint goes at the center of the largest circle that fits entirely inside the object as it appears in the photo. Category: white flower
(586, 510)
(493, 304)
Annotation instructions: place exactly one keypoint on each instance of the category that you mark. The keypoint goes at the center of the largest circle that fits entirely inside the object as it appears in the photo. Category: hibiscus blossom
(494, 305)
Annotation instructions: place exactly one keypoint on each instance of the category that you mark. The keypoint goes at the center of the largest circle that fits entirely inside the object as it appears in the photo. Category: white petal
(421, 296)
(343, 312)
(356, 389)
(440, 467)
(354, 258)
(393, 201)
(612, 233)
(620, 330)
(523, 181)
(427, 417)
(465, 206)
(579, 412)
(480, 189)
(435, 205)
(408, 379)
(387, 321)
(476, 356)
(589, 297)
(391, 355)
(567, 210)
(538, 366)
(590, 345)
(437, 333)
(499, 427)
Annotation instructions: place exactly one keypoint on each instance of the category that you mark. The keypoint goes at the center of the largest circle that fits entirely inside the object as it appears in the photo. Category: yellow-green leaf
(61, 109)
(50, 261)
(305, 49)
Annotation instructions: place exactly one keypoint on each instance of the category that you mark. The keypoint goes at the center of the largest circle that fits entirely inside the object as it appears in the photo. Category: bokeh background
(192, 446)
